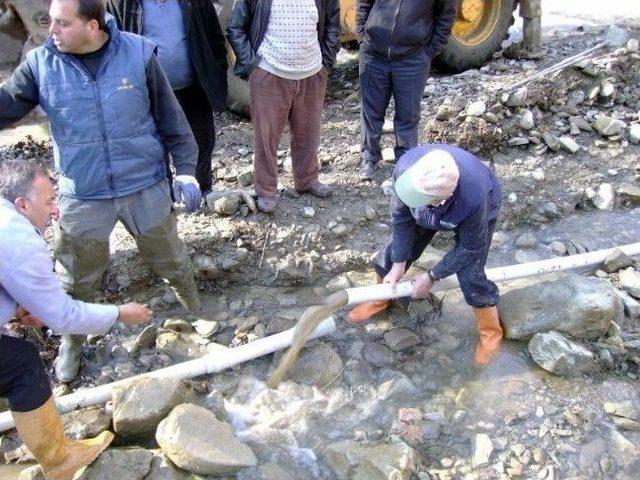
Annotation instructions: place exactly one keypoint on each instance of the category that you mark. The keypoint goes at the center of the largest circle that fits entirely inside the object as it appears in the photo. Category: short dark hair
(93, 10)
(17, 177)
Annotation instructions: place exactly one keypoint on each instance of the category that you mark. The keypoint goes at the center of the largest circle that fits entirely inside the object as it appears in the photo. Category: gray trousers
(81, 241)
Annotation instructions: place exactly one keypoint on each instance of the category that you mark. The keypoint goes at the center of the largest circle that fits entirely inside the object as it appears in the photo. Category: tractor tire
(473, 46)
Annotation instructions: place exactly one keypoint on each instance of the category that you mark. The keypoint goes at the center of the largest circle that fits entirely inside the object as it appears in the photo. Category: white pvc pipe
(221, 360)
(210, 363)
(383, 291)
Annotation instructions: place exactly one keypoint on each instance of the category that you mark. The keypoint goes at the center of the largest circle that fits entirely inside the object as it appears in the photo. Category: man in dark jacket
(192, 52)
(114, 120)
(398, 39)
(286, 48)
(442, 187)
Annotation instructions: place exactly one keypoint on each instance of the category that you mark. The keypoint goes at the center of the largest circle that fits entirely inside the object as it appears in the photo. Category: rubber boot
(489, 333)
(366, 310)
(186, 292)
(67, 363)
(59, 457)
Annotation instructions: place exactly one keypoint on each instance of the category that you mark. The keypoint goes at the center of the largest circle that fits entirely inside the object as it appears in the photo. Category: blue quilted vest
(105, 140)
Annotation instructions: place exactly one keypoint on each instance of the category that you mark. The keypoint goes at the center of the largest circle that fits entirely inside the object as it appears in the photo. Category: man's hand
(187, 190)
(422, 285)
(28, 320)
(134, 314)
(395, 274)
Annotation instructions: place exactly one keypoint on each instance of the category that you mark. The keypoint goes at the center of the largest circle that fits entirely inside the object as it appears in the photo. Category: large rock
(352, 461)
(119, 463)
(196, 441)
(559, 355)
(139, 407)
(318, 365)
(579, 306)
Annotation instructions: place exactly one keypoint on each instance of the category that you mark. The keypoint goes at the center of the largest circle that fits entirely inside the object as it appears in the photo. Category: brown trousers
(274, 102)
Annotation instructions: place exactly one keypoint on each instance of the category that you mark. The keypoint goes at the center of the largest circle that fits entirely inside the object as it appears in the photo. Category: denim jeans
(404, 79)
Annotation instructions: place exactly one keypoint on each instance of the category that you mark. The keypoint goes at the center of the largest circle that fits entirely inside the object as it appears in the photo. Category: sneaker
(318, 189)
(266, 204)
(367, 170)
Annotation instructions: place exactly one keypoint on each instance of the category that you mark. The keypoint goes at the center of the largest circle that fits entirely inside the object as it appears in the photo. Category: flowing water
(310, 319)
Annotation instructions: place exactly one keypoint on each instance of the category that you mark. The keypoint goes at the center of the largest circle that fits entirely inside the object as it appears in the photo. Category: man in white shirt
(286, 49)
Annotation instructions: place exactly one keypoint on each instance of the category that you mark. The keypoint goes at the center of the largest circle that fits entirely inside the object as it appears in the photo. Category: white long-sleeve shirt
(27, 279)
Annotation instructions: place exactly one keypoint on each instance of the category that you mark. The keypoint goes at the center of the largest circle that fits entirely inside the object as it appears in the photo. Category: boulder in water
(579, 306)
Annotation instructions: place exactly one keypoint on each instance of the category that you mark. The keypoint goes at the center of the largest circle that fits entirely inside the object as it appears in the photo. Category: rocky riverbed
(396, 398)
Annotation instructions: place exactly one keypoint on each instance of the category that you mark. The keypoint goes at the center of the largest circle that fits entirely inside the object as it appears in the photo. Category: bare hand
(395, 274)
(422, 285)
(28, 320)
(134, 314)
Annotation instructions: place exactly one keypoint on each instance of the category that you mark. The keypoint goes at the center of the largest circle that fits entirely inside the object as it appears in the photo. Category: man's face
(39, 205)
(70, 33)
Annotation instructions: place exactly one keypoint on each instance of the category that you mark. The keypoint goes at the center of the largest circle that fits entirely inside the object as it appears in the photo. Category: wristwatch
(431, 277)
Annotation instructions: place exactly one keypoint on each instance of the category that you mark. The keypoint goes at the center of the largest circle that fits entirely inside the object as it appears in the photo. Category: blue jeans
(380, 79)
(478, 290)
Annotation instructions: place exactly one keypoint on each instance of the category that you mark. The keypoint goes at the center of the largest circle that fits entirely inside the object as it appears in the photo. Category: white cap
(434, 176)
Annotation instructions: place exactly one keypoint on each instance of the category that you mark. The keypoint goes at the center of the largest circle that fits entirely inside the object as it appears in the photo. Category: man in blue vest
(114, 121)
(441, 187)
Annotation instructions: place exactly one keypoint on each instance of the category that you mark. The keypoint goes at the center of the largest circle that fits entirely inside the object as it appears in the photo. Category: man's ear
(21, 204)
(94, 26)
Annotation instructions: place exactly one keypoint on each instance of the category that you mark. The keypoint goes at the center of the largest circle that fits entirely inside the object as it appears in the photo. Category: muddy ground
(257, 271)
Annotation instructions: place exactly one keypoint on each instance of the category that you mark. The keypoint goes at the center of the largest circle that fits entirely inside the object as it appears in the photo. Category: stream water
(292, 423)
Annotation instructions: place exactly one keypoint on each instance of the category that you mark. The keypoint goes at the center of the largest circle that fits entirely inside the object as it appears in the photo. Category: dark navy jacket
(394, 29)
(474, 204)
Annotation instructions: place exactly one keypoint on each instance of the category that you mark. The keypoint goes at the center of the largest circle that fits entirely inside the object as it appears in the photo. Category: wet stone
(378, 355)
(401, 339)
(318, 365)
(559, 355)
(579, 306)
(196, 441)
(139, 407)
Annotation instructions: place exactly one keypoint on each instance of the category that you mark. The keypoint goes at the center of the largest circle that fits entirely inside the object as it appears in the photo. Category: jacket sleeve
(116, 8)
(472, 235)
(216, 37)
(445, 16)
(403, 230)
(18, 95)
(32, 283)
(331, 39)
(238, 35)
(170, 120)
(362, 14)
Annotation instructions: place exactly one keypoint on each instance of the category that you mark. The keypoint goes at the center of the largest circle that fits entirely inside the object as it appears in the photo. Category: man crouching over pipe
(30, 292)
(442, 187)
